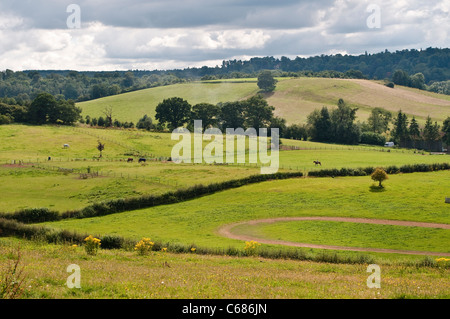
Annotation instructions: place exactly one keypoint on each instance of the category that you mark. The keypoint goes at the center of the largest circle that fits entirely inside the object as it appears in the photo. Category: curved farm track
(227, 231)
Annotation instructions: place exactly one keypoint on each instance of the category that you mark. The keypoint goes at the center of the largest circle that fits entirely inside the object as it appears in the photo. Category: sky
(107, 35)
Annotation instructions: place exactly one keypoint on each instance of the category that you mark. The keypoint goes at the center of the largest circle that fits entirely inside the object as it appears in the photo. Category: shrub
(112, 242)
(379, 175)
(144, 246)
(92, 245)
(251, 247)
(372, 138)
(34, 215)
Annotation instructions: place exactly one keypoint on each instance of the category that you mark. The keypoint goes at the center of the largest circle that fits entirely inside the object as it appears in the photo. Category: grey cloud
(130, 33)
(170, 14)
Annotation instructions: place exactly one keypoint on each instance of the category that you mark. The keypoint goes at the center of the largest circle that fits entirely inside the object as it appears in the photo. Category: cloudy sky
(166, 34)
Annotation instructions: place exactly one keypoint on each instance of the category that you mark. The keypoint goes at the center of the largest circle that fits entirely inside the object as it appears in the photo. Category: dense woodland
(425, 69)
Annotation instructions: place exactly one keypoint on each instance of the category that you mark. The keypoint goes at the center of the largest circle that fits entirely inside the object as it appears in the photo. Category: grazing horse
(130, 160)
(317, 163)
(142, 160)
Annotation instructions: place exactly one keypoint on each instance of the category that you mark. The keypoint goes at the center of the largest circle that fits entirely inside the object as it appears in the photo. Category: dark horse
(130, 160)
(317, 163)
(142, 160)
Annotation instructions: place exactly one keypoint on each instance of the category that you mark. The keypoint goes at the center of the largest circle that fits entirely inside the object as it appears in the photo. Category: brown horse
(130, 160)
(317, 163)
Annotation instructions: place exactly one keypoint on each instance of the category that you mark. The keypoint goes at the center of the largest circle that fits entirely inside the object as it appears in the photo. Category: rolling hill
(293, 98)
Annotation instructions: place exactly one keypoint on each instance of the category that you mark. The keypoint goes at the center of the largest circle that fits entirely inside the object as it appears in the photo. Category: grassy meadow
(123, 275)
(293, 98)
(197, 221)
(352, 235)
(77, 176)
(134, 105)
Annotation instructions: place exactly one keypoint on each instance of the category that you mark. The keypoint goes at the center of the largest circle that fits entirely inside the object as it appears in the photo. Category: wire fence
(86, 173)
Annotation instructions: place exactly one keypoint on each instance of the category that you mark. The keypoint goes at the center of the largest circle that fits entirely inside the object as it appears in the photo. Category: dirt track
(226, 231)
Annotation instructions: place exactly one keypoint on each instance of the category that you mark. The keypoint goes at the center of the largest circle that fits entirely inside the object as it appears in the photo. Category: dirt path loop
(227, 231)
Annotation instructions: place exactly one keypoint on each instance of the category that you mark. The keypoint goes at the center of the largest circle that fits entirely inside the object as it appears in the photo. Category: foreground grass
(413, 197)
(124, 274)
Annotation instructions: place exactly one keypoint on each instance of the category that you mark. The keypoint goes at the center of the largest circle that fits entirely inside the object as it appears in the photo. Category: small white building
(389, 144)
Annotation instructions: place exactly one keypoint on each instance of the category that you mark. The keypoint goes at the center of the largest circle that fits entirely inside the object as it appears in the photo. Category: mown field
(412, 197)
(76, 177)
(133, 106)
(293, 99)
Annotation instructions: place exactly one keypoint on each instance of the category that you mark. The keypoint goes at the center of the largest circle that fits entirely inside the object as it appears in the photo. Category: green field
(352, 235)
(197, 221)
(25, 169)
(132, 106)
(293, 99)
(77, 176)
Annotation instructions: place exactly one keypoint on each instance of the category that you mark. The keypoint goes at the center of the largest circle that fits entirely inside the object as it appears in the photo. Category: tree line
(44, 109)
(24, 86)
(339, 126)
(426, 69)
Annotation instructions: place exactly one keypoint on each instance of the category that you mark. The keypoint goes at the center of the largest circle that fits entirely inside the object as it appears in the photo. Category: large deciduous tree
(258, 112)
(46, 109)
(379, 120)
(232, 115)
(266, 81)
(344, 130)
(173, 112)
(207, 113)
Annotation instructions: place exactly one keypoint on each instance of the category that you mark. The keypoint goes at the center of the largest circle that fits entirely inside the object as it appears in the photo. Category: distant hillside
(293, 98)
(132, 106)
(433, 63)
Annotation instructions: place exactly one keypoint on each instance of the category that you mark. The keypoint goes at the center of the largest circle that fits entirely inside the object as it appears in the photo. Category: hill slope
(293, 99)
(132, 106)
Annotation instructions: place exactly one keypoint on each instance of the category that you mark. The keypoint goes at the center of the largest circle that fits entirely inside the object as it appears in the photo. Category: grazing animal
(66, 145)
(142, 160)
(49, 158)
(130, 160)
(317, 163)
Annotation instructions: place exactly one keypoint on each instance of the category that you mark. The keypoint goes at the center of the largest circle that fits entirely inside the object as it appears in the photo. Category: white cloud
(175, 33)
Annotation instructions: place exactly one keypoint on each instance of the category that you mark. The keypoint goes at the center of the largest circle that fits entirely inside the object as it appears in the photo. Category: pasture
(293, 98)
(121, 274)
(76, 177)
(198, 221)
(134, 105)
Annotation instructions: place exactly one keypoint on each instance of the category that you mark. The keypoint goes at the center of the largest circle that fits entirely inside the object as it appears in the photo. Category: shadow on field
(377, 189)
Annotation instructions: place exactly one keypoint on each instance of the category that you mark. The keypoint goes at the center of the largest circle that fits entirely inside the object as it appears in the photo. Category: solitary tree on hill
(266, 81)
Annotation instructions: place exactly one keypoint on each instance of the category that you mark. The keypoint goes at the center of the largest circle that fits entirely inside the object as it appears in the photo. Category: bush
(34, 215)
(144, 246)
(92, 245)
(112, 242)
(372, 138)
